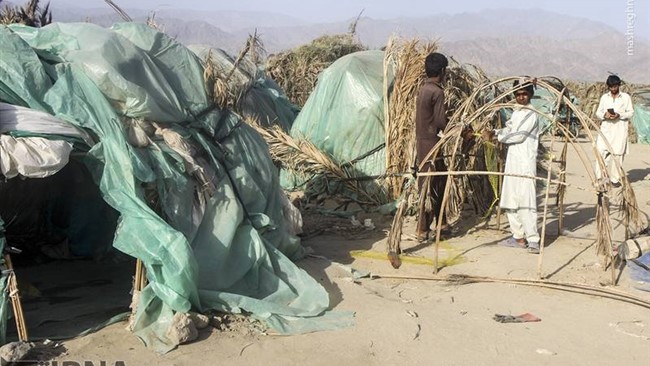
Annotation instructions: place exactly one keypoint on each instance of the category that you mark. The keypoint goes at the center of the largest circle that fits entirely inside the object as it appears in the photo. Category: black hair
(526, 86)
(434, 64)
(613, 80)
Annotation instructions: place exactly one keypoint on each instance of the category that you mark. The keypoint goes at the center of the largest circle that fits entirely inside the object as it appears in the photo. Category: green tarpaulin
(220, 243)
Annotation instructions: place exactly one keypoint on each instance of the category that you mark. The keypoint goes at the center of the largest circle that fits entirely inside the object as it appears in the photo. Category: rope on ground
(458, 279)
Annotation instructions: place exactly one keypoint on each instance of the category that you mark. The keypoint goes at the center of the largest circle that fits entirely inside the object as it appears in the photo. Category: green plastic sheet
(344, 116)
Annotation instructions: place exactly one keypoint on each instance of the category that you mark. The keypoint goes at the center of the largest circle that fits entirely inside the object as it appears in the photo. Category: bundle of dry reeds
(406, 60)
(297, 70)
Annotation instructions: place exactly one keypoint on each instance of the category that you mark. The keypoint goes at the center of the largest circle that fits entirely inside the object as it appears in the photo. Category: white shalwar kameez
(615, 132)
(518, 196)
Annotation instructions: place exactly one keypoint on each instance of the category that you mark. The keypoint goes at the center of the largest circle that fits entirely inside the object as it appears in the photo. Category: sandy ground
(414, 322)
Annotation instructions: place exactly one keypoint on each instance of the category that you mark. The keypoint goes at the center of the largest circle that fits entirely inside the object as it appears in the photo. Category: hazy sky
(612, 12)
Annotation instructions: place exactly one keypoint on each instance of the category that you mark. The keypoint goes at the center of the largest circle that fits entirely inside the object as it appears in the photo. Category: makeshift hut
(187, 188)
(360, 119)
(487, 115)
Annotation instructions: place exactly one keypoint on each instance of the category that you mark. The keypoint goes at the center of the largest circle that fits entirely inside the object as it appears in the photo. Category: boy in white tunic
(518, 195)
(615, 110)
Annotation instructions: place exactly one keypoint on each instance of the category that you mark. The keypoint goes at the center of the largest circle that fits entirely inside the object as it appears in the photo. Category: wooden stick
(472, 172)
(140, 276)
(499, 154)
(540, 257)
(136, 278)
(445, 197)
(562, 189)
(14, 295)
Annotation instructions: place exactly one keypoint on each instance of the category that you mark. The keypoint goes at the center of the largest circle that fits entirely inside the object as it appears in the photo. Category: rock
(200, 321)
(216, 321)
(182, 329)
(14, 351)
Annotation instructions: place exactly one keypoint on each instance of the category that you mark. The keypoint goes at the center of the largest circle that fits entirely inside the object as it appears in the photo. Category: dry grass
(31, 14)
(227, 82)
(296, 71)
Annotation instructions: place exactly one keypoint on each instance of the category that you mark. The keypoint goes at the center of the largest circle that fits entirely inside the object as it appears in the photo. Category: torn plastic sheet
(32, 157)
(17, 118)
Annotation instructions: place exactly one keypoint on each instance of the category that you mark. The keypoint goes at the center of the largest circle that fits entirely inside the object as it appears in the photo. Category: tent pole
(14, 295)
(561, 188)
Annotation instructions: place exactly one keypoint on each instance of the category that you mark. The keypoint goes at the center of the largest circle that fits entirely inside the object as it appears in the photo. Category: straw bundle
(407, 59)
(297, 70)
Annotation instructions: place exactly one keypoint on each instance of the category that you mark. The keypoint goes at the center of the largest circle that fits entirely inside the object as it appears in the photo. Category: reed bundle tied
(405, 59)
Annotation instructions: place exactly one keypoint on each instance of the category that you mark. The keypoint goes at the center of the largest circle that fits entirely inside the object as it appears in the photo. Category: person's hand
(487, 134)
(608, 115)
(468, 133)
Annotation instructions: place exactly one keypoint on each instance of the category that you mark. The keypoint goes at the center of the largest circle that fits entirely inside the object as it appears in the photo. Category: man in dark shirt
(431, 119)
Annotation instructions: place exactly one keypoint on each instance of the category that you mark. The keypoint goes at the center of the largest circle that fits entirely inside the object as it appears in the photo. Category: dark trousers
(436, 188)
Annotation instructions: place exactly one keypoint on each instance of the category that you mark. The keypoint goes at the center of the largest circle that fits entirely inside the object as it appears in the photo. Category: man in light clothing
(518, 195)
(615, 110)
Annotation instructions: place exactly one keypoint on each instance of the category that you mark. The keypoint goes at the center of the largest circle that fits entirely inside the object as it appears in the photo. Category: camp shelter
(252, 93)
(641, 118)
(344, 117)
(196, 194)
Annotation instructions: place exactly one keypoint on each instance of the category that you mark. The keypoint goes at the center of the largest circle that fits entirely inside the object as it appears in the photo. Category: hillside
(502, 42)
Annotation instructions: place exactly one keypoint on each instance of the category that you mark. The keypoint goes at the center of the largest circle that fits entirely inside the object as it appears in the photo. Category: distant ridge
(502, 42)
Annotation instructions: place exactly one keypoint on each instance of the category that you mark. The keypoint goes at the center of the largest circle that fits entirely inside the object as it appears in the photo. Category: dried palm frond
(30, 14)
(305, 159)
(395, 236)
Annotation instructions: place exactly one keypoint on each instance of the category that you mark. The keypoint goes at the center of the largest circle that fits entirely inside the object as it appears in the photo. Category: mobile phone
(611, 111)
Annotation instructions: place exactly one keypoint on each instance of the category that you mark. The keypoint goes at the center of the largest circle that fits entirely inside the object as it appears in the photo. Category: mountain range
(502, 42)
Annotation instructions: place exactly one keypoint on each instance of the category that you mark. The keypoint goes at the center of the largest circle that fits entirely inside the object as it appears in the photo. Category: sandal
(512, 243)
(533, 248)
